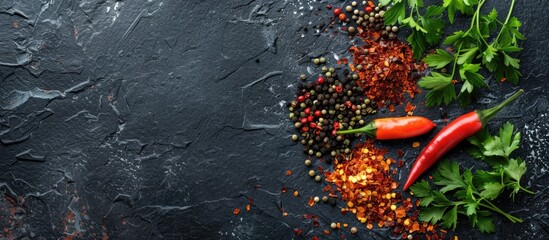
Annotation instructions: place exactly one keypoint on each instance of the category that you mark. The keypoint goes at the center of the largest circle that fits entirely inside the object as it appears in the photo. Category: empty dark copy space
(156, 119)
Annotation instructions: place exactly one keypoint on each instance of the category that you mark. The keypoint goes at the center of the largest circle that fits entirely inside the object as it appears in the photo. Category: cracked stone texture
(155, 119)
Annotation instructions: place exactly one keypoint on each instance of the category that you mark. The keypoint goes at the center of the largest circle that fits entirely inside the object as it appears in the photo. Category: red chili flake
(248, 207)
(415, 144)
(298, 231)
(409, 107)
(236, 211)
(326, 232)
(314, 238)
(311, 202)
(329, 6)
(400, 153)
(284, 189)
(337, 11)
(288, 172)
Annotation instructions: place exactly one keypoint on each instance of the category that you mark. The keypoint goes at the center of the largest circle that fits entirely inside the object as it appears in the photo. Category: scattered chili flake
(415, 144)
(288, 172)
(311, 202)
(409, 107)
(298, 231)
(248, 207)
(236, 211)
(296, 193)
(284, 189)
(327, 232)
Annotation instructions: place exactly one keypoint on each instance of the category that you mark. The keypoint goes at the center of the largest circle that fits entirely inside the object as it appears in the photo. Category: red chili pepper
(456, 131)
(394, 128)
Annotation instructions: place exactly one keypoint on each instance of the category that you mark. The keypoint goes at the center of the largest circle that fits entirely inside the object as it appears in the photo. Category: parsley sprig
(488, 44)
(471, 193)
(426, 29)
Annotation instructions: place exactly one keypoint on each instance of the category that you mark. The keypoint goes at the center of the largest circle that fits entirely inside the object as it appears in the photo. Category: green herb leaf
(467, 56)
(418, 42)
(516, 169)
(413, 24)
(491, 190)
(438, 60)
(468, 72)
(396, 14)
(432, 214)
(448, 176)
(483, 220)
(504, 144)
(441, 89)
(449, 220)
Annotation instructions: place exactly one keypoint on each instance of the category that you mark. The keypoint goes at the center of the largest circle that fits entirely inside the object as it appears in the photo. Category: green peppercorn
(332, 70)
(324, 69)
(366, 101)
(312, 92)
(347, 150)
(303, 105)
(324, 111)
(308, 163)
(348, 8)
(302, 77)
(394, 29)
(322, 60)
(294, 137)
(297, 125)
(316, 61)
(328, 74)
(311, 152)
(354, 3)
(325, 199)
(312, 173)
(361, 122)
(318, 154)
(291, 109)
(292, 115)
(333, 153)
(303, 141)
(355, 76)
(359, 67)
(318, 178)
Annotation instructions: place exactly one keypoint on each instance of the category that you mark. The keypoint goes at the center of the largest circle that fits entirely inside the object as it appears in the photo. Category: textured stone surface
(155, 119)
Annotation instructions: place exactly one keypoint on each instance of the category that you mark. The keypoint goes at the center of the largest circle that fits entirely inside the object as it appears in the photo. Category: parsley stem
(506, 19)
(477, 14)
(526, 190)
(455, 61)
(493, 207)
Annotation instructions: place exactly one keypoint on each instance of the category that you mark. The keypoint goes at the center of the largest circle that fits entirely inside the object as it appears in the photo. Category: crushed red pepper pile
(365, 182)
(386, 69)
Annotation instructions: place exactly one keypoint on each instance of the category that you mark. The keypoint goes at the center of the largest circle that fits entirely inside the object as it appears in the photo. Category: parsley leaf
(438, 60)
(441, 89)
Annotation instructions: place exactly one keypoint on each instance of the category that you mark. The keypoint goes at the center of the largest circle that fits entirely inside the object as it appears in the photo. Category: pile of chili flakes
(365, 183)
(388, 70)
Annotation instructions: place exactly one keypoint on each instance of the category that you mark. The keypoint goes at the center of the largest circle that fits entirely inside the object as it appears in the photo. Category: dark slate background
(155, 119)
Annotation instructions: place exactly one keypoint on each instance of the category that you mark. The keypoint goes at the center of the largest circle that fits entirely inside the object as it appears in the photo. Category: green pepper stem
(487, 114)
(369, 129)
